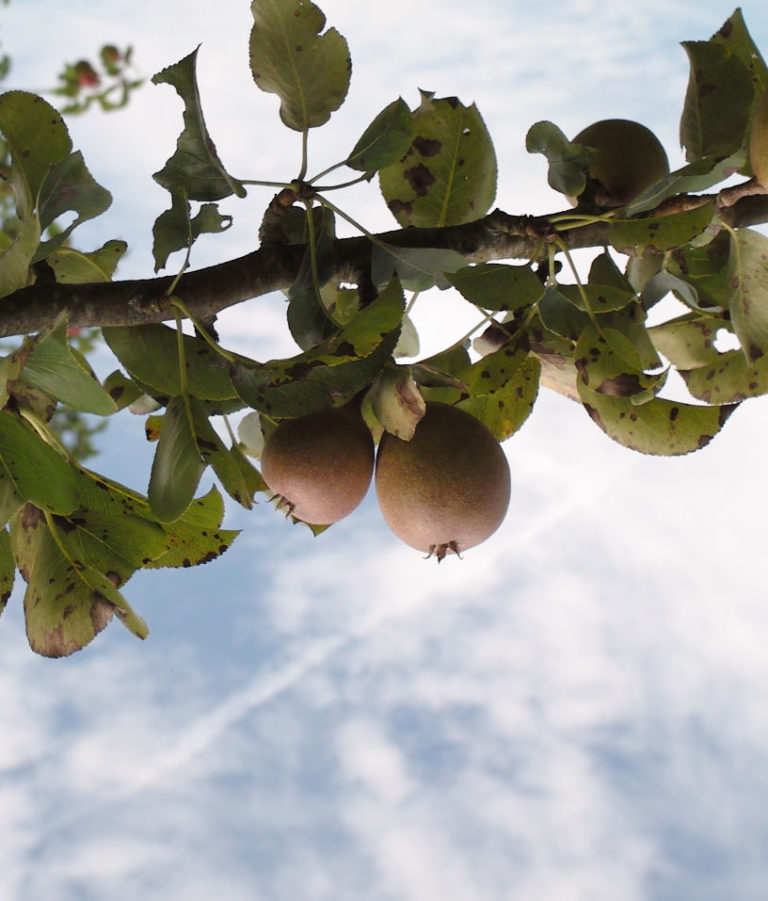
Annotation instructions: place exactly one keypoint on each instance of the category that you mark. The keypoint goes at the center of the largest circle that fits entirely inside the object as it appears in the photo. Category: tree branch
(273, 267)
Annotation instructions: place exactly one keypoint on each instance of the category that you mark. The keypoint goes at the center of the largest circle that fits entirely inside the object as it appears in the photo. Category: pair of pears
(445, 490)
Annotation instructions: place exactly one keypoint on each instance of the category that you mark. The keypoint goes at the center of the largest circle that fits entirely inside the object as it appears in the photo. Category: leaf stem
(344, 184)
(203, 331)
(304, 154)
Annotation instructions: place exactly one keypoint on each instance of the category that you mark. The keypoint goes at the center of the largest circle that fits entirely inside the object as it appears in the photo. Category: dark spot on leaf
(726, 30)
(30, 516)
(427, 146)
(65, 524)
(101, 613)
(594, 416)
(400, 206)
(624, 385)
(420, 179)
(674, 413)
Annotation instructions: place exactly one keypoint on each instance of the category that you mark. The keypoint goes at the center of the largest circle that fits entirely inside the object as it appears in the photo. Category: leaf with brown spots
(67, 601)
(7, 568)
(729, 379)
(195, 537)
(658, 426)
(748, 279)
(660, 233)
(499, 390)
(448, 175)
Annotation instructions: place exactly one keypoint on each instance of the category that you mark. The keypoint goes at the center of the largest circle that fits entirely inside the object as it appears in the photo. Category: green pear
(627, 159)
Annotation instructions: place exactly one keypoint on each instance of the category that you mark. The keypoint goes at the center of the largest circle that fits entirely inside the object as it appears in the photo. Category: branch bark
(273, 267)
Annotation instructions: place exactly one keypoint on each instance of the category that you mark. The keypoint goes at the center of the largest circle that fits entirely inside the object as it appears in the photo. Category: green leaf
(308, 319)
(568, 162)
(417, 268)
(52, 368)
(699, 276)
(333, 371)
(560, 315)
(448, 176)
(735, 37)
(7, 568)
(69, 187)
(657, 234)
(239, 478)
(122, 390)
(150, 354)
(497, 286)
(408, 344)
(748, 279)
(36, 135)
(688, 341)
(499, 390)
(191, 539)
(718, 103)
(289, 57)
(657, 427)
(116, 544)
(697, 176)
(176, 228)
(503, 388)
(385, 140)
(609, 364)
(37, 139)
(599, 298)
(74, 267)
(36, 472)
(67, 601)
(195, 171)
(177, 465)
(196, 537)
(728, 379)
(16, 259)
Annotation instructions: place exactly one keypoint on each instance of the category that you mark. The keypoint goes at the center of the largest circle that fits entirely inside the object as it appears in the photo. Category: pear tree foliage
(76, 536)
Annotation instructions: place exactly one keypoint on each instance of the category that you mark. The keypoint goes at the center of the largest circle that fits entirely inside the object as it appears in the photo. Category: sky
(575, 711)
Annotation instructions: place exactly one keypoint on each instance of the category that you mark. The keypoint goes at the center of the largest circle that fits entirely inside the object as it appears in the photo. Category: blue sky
(573, 712)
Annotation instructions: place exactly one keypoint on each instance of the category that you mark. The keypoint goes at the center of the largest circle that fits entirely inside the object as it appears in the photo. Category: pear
(628, 158)
(319, 465)
(447, 489)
